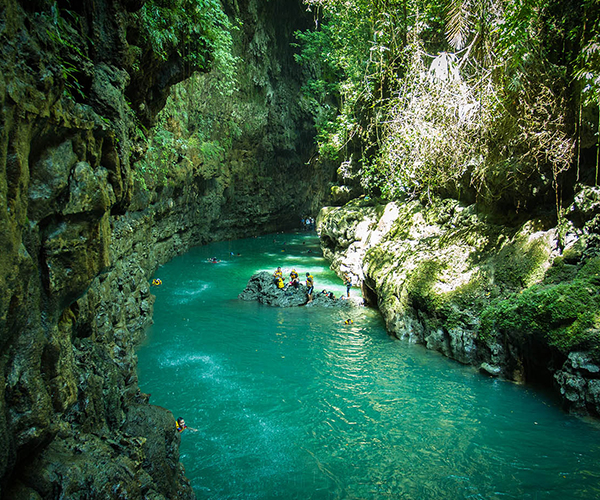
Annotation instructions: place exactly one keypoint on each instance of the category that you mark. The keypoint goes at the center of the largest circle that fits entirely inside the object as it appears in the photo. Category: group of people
(308, 223)
(310, 283)
(294, 281)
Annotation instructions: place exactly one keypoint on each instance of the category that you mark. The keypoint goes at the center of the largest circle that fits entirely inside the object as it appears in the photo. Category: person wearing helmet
(294, 279)
(310, 284)
(180, 425)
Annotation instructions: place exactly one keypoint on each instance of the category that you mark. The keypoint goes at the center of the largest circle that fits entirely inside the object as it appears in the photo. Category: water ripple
(293, 404)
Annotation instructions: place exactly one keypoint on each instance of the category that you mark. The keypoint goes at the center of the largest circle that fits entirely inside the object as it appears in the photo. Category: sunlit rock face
(500, 297)
(80, 237)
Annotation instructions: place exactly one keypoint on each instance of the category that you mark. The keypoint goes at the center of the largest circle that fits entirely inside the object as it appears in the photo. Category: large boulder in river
(262, 287)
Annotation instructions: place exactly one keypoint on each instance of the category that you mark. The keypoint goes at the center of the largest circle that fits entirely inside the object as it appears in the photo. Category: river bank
(516, 300)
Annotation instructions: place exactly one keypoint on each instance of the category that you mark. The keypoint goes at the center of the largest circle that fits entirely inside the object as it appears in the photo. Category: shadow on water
(293, 403)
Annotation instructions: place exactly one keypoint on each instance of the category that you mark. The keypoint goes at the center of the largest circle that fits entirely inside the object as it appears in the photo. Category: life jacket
(280, 283)
(294, 275)
(309, 281)
(179, 427)
(278, 274)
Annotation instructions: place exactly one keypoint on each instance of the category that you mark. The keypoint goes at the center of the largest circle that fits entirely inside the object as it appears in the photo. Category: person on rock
(310, 284)
(277, 275)
(348, 283)
(294, 279)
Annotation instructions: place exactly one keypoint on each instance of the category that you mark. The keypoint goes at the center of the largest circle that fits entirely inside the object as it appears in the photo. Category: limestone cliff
(82, 231)
(517, 299)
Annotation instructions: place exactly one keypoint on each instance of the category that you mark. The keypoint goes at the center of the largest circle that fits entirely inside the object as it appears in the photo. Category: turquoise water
(293, 404)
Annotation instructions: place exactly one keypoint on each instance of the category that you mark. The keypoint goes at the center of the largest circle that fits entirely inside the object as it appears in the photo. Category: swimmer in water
(180, 425)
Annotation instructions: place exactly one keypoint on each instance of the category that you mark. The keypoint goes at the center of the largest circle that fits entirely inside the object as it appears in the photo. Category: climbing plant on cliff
(587, 72)
(485, 113)
(201, 31)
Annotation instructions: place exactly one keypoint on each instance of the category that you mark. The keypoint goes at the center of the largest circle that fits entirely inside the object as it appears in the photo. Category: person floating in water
(180, 425)
(214, 260)
(156, 282)
(310, 284)
(348, 322)
(348, 283)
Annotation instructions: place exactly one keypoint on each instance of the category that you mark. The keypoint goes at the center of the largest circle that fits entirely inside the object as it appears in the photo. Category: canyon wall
(518, 298)
(85, 220)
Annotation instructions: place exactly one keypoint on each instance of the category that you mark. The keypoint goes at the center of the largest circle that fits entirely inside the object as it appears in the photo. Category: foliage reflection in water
(292, 403)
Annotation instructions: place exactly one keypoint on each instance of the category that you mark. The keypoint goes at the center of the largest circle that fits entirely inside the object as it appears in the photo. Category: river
(294, 404)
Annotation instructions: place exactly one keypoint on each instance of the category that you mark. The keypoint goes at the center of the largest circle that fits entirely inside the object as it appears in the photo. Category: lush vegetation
(564, 312)
(472, 98)
(194, 29)
(186, 133)
(192, 133)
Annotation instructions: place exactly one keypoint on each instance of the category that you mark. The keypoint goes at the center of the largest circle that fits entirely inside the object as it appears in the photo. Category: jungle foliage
(201, 32)
(480, 99)
(195, 28)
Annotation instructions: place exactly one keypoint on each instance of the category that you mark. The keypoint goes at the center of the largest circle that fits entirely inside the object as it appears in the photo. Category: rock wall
(81, 232)
(517, 300)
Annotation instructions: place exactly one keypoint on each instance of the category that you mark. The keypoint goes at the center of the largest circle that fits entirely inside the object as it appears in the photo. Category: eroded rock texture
(516, 300)
(80, 234)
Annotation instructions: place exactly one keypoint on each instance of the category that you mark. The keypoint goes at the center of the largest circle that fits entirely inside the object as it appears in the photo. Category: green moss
(379, 262)
(561, 271)
(465, 303)
(400, 229)
(521, 263)
(565, 313)
(420, 286)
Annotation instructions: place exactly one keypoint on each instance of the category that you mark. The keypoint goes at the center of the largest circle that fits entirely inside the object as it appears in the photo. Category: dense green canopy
(489, 100)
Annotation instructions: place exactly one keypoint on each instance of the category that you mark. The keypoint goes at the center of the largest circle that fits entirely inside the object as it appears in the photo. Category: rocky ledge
(261, 287)
(517, 299)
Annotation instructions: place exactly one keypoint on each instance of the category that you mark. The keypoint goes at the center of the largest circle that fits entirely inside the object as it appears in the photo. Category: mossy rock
(565, 313)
